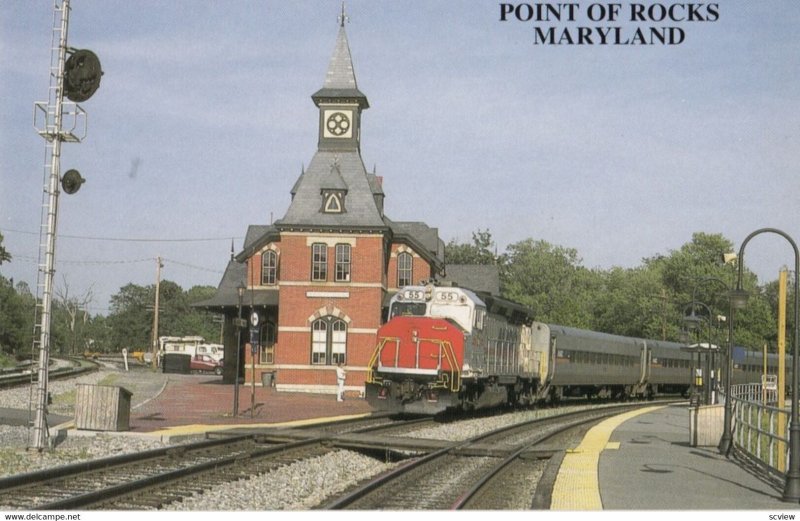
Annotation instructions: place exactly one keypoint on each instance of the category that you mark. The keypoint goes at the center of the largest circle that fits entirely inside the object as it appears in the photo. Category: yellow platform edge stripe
(577, 486)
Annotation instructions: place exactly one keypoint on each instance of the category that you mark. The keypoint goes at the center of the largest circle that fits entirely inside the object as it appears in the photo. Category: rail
(760, 430)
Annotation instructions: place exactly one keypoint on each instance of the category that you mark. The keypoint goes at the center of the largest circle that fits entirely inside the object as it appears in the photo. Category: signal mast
(77, 77)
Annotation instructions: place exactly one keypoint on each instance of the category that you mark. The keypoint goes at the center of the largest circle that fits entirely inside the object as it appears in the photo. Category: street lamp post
(692, 322)
(791, 489)
(726, 441)
(240, 291)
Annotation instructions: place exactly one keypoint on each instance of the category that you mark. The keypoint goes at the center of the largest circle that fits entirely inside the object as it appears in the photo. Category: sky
(204, 120)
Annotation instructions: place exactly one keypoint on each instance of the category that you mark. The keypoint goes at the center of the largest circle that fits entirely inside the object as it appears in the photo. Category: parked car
(206, 363)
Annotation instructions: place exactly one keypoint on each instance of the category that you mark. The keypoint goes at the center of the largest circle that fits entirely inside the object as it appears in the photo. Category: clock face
(338, 123)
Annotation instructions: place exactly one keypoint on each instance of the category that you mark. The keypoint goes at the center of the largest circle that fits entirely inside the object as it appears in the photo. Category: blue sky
(204, 120)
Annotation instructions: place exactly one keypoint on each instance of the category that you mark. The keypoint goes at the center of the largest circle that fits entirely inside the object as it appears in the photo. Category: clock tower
(318, 277)
(339, 100)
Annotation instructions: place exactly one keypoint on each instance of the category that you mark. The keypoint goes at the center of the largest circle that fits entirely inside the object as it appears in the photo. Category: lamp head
(738, 298)
(692, 321)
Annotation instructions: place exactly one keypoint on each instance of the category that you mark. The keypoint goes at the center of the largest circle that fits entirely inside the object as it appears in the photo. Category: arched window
(269, 336)
(328, 341)
(405, 269)
(269, 268)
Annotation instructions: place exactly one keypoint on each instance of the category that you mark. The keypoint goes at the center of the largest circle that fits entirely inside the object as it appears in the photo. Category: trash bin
(102, 408)
(177, 363)
(268, 378)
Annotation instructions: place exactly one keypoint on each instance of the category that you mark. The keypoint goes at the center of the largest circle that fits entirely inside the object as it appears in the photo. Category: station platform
(193, 404)
(644, 461)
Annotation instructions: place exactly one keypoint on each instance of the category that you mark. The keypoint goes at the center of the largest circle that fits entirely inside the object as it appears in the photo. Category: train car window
(416, 309)
(480, 317)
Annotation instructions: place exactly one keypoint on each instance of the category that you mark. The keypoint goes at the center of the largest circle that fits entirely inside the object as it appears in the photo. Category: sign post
(254, 345)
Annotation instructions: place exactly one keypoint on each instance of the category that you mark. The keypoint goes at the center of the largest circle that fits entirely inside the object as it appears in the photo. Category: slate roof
(227, 294)
(477, 277)
(340, 79)
(421, 237)
(257, 236)
(305, 210)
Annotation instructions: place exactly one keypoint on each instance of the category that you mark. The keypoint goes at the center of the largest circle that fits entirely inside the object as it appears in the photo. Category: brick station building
(320, 277)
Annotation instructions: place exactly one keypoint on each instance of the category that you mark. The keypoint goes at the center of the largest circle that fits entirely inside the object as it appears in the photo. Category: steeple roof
(337, 164)
(340, 79)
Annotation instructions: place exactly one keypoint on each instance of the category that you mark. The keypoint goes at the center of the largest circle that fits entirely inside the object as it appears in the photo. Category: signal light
(72, 181)
(82, 74)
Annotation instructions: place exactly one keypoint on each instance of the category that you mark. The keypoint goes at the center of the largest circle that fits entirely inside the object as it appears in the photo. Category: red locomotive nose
(420, 345)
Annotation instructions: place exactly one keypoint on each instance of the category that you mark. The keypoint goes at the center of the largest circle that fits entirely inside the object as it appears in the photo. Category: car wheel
(217, 371)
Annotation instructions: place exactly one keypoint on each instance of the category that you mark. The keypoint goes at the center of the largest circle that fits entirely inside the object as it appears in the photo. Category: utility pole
(159, 265)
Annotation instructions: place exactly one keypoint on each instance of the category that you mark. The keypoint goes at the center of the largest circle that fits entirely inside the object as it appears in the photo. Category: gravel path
(15, 457)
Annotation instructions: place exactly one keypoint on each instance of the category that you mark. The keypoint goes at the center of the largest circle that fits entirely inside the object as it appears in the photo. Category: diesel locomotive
(449, 348)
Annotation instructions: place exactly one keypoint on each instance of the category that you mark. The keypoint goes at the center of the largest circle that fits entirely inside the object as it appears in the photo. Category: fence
(760, 428)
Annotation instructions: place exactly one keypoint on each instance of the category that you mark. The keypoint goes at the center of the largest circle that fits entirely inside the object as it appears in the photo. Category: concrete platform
(646, 462)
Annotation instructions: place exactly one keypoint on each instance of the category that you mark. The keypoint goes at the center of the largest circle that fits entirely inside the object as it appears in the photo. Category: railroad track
(77, 367)
(492, 471)
(155, 478)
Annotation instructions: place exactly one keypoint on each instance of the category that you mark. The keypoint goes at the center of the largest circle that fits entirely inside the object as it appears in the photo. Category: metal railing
(760, 430)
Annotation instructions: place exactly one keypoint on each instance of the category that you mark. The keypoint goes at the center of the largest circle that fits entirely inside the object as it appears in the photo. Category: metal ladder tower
(49, 118)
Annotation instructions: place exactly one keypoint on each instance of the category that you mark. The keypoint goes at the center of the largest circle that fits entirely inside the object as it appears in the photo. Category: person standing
(340, 376)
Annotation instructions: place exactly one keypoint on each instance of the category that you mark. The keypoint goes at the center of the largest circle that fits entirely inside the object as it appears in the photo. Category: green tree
(696, 272)
(130, 320)
(4, 255)
(550, 281)
(633, 302)
(690, 271)
(481, 251)
(16, 319)
(206, 324)
(131, 317)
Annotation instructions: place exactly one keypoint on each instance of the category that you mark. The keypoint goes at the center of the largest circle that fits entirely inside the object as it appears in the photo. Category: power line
(96, 262)
(110, 262)
(126, 239)
(191, 266)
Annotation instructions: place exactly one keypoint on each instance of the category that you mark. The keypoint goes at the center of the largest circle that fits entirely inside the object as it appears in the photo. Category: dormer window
(333, 201)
